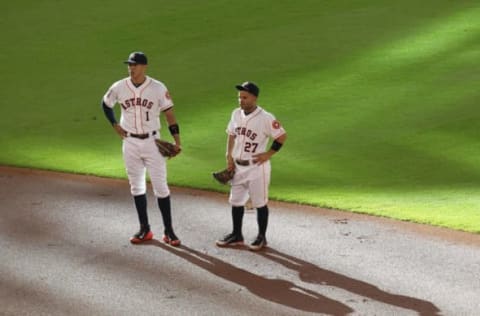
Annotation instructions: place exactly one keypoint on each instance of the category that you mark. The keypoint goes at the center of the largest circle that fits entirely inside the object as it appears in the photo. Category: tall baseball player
(249, 131)
(142, 99)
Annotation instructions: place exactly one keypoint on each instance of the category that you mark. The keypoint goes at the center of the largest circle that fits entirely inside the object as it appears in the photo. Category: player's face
(136, 71)
(247, 101)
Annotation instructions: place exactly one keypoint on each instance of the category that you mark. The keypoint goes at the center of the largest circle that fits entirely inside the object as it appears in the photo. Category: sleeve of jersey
(231, 125)
(110, 98)
(274, 127)
(165, 100)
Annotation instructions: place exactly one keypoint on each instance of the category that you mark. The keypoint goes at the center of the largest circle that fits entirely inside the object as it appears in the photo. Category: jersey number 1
(148, 116)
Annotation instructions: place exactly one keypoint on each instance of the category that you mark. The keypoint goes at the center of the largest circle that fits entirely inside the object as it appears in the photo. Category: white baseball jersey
(141, 106)
(252, 132)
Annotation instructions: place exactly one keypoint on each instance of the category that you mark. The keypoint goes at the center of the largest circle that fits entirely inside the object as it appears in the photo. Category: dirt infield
(65, 250)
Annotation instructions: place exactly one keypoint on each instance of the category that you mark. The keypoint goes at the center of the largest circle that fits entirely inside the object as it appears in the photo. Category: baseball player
(142, 99)
(249, 131)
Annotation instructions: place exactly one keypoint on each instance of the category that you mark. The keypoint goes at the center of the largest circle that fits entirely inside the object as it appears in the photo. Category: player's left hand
(178, 148)
(262, 157)
(230, 163)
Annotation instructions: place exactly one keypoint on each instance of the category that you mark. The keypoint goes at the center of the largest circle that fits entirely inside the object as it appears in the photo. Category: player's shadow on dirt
(275, 290)
(311, 273)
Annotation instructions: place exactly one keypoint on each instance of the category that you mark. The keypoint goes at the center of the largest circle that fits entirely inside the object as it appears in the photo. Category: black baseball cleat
(230, 240)
(170, 238)
(259, 243)
(141, 236)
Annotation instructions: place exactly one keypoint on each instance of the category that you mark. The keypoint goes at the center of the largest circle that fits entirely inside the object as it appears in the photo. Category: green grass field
(379, 98)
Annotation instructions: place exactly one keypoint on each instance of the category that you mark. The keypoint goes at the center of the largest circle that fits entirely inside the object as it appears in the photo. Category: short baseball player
(249, 131)
(142, 99)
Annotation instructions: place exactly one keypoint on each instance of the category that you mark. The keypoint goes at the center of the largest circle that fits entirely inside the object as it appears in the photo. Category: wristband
(276, 146)
(174, 129)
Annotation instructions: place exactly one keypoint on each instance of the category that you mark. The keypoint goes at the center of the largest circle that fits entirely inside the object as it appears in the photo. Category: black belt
(142, 136)
(242, 162)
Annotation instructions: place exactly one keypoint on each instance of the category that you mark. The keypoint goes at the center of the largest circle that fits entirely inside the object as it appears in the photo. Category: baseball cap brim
(133, 62)
(239, 87)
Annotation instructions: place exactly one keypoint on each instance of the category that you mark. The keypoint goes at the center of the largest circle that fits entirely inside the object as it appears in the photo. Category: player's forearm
(281, 139)
(176, 137)
(230, 145)
(229, 157)
(173, 126)
(276, 145)
(109, 114)
(174, 129)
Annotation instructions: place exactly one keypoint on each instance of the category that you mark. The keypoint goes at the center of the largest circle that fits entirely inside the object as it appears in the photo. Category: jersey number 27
(250, 147)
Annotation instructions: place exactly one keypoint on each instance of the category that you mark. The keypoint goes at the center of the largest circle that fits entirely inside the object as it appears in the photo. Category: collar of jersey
(136, 87)
(251, 113)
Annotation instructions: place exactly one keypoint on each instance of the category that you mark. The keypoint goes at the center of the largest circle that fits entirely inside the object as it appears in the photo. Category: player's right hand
(120, 131)
(230, 163)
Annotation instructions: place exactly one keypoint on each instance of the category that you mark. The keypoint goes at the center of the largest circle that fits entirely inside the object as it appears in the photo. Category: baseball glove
(167, 149)
(223, 176)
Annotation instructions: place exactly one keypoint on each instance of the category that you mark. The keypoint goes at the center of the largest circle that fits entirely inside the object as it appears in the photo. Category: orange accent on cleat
(139, 238)
(172, 242)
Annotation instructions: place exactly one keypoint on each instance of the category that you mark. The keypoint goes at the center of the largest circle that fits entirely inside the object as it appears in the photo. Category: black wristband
(276, 146)
(174, 129)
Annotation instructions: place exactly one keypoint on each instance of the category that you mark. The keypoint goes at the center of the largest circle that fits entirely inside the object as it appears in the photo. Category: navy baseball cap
(137, 58)
(250, 87)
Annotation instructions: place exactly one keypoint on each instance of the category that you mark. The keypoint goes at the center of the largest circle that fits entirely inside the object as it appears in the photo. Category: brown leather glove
(167, 149)
(223, 176)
